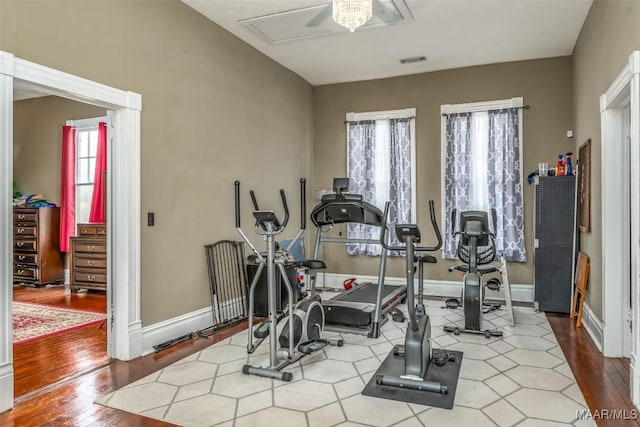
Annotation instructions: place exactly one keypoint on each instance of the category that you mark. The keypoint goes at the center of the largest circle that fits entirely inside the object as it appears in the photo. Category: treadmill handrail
(434, 224)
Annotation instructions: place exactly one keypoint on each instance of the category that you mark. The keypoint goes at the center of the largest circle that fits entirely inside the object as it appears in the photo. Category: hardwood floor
(69, 402)
(604, 381)
(43, 362)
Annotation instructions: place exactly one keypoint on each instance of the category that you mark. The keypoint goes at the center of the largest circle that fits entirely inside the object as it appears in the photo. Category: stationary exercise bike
(417, 350)
(302, 331)
(477, 249)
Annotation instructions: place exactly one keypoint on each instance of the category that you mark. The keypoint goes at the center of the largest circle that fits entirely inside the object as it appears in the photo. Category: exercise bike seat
(312, 264)
(429, 259)
(482, 269)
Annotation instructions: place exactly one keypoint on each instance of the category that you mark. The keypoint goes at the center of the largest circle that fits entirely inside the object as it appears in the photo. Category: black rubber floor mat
(394, 365)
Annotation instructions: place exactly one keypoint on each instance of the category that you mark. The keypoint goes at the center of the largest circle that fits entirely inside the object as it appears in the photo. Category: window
(381, 167)
(481, 158)
(86, 153)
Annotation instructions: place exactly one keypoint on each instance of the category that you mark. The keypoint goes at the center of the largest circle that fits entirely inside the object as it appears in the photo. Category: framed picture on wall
(584, 187)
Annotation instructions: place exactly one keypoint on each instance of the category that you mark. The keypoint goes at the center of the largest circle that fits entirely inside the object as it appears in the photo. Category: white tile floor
(520, 379)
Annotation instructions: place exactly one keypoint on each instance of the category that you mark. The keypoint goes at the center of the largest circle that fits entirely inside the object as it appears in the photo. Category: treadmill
(362, 309)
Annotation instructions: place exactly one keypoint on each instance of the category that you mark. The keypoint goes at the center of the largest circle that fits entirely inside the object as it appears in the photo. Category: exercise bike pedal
(398, 350)
(494, 284)
(397, 315)
(441, 357)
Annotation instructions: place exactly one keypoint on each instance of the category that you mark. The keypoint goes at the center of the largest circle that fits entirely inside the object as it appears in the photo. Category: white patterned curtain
(457, 176)
(505, 186)
(482, 172)
(380, 169)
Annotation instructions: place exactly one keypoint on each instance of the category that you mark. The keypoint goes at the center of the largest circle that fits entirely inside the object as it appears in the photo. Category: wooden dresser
(37, 259)
(89, 258)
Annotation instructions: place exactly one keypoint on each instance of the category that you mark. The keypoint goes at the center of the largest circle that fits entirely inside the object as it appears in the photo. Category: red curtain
(98, 213)
(68, 187)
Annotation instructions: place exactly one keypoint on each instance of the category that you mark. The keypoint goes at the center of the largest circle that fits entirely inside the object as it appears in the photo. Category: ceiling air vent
(316, 21)
(413, 59)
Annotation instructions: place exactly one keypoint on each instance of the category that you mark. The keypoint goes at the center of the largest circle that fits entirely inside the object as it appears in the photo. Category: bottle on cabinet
(560, 166)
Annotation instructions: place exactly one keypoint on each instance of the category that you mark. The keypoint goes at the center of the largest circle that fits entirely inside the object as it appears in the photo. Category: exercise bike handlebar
(434, 224)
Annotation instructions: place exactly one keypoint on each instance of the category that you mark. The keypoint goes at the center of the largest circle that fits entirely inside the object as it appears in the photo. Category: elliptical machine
(417, 350)
(477, 249)
(302, 331)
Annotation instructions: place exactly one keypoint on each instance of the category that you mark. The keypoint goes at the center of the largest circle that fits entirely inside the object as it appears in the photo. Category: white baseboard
(169, 329)
(435, 288)
(6, 386)
(593, 326)
(197, 320)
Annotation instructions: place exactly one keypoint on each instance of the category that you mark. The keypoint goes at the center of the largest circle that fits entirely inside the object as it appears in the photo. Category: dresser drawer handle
(20, 244)
(21, 271)
(91, 278)
(21, 257)
(91, 263)
(90, 248)
(22, 216)
(20, 230)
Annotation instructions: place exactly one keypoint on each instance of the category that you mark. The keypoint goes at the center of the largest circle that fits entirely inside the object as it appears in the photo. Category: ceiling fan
(379, 10)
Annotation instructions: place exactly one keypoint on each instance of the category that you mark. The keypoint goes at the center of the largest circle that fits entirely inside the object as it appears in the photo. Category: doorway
(620, 218)
(123, 208)
(47, 282)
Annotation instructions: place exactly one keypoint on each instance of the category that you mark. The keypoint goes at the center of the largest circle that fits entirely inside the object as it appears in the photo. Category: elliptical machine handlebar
(269, 216)
(434, 224)
(284, 204)
(303, 203)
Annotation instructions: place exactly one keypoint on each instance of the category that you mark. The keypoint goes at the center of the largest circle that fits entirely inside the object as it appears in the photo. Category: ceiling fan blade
(321, 16)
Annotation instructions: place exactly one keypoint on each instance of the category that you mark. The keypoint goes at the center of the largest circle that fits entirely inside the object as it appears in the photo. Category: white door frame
(625, 90)
(123, 238)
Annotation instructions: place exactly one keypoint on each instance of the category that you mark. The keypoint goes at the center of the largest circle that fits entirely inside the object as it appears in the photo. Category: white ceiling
(450, 33)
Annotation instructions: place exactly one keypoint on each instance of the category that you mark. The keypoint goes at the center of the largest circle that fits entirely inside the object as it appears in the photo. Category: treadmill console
(341, 197)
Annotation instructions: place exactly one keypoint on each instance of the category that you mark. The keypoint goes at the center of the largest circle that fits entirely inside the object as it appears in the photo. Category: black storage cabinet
(554, 242)
(261, 304)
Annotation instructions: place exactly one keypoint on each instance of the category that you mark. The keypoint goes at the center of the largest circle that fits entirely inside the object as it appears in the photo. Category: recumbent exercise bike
(477, 249)
(302, 331)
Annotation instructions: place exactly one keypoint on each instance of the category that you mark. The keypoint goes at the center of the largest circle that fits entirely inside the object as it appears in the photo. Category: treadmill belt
(366, 292)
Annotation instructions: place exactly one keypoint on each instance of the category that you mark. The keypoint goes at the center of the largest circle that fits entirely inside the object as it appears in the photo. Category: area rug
(519, 379)
(34, 321)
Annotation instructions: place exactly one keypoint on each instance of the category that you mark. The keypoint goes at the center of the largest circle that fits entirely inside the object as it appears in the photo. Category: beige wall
(214, 110)
(546, 86)
(609, 35)
(37, 132)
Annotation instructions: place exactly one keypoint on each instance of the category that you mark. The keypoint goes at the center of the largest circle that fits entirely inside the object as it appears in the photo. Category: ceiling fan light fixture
(352, 14)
